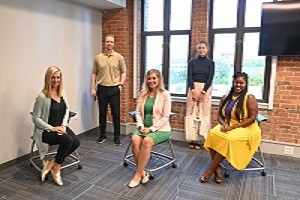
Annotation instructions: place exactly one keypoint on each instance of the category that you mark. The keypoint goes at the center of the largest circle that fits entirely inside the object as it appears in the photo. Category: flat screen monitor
(280, 29)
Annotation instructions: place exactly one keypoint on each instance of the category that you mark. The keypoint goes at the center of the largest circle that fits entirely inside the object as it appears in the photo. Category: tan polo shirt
(108, 68)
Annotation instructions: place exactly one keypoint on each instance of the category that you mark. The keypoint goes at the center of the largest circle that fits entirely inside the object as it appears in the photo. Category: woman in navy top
(200, 77)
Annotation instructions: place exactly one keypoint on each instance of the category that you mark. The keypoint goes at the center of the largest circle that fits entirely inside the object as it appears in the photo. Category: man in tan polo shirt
(108, 75)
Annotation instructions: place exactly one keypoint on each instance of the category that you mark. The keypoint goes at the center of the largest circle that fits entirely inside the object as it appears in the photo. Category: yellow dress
(238, 145)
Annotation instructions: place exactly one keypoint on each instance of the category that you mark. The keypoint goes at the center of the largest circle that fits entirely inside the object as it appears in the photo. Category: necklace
(235, 97)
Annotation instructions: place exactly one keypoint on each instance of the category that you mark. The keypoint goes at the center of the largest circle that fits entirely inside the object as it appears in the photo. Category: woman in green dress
(153, 125)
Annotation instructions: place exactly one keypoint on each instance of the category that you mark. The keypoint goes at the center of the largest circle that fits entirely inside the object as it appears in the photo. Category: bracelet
(121, 85)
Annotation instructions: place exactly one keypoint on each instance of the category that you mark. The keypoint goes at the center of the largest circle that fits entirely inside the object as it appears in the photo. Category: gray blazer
(40, 116)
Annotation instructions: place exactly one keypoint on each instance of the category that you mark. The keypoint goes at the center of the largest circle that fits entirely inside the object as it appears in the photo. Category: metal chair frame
(171, 159)
(74, 155)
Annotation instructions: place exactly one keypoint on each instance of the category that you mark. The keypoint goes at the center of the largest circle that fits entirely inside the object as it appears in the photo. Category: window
(234, 38)
(166, 29)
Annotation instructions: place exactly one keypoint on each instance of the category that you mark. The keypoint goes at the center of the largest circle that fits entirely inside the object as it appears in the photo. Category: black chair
(256, 164)
(37, 163)
(170, 158)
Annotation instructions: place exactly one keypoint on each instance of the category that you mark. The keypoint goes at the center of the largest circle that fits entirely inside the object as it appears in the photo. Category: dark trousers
(67, 143)
(109, 95)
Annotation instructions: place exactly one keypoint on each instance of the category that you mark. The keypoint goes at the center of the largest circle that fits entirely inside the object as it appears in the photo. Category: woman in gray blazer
(50, 117)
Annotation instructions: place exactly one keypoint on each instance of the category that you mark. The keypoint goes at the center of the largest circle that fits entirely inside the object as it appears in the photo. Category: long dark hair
(239, 112)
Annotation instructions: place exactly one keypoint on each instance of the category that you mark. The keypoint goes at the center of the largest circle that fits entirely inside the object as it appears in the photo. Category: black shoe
(117, 142)
(101, 139)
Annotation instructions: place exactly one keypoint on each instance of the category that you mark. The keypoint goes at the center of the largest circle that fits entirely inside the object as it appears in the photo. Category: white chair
(128, 158)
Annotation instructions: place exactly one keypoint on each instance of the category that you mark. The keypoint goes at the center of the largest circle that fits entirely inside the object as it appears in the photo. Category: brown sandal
(197, 146)
(218, 175)
(191, 145)
(204, 178)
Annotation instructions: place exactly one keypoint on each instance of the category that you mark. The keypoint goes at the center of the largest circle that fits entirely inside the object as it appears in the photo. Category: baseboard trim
(14, 162)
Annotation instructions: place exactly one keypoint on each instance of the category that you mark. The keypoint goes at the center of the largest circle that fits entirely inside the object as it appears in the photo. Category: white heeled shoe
(146, 178)
(45, 170)
(56, 177)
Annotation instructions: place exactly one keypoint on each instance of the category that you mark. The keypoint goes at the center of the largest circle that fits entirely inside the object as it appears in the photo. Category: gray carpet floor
(103, 176)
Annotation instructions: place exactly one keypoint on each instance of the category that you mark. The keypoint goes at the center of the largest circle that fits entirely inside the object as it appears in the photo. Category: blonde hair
(110, 35)
(161, 86)
(47, 84)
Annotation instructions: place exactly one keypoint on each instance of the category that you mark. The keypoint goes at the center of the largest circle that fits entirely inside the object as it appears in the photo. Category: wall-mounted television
(280, 29)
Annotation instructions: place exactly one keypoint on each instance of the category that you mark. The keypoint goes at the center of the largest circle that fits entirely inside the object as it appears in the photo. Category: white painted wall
(35, 34)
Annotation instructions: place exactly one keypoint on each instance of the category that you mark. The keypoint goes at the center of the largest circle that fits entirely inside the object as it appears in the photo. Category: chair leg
(172, 153)
(263, 164)
(126, 157)
(79, 166)
(259, 162)
(127, 149)
(31, 154)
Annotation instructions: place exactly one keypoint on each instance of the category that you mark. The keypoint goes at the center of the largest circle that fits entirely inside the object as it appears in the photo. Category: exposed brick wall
(284, 120)
(119, 22)
(199, 22)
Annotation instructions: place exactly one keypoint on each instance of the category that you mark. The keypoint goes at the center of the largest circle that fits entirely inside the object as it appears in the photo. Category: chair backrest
(261, 118)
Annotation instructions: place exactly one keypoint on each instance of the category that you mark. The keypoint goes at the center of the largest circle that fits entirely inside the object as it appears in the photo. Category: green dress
(157, 136)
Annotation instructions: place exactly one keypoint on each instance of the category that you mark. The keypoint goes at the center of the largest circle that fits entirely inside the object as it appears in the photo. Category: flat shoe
(191, 145)
(133, 184)
(197, 146)
(146, 178)
(45, 170)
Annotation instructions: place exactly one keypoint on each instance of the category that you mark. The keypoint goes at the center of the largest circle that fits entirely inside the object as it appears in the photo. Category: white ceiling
(101, 4)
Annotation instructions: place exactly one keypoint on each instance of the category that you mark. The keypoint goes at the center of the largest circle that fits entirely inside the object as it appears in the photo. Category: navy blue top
(202, 70)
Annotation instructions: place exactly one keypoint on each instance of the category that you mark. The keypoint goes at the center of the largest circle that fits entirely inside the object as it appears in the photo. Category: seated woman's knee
(136, 140)
(76, 142)
(67, 139)
(147, 141)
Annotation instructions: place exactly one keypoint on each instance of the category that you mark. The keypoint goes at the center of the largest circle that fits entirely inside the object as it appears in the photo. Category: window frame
(240, 30)
(166, 33)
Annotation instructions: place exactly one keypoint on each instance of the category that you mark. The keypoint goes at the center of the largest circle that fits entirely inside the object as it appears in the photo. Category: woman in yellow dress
(237, 136)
